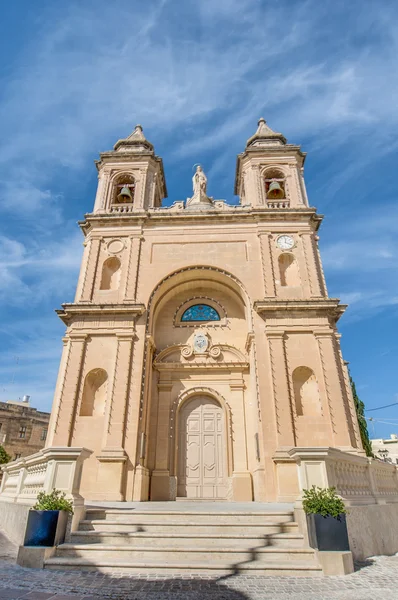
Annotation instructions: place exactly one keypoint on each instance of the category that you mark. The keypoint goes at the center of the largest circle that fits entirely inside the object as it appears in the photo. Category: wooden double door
(202, 450)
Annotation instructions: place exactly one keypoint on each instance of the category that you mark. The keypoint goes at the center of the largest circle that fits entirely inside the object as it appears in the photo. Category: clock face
(285, 242)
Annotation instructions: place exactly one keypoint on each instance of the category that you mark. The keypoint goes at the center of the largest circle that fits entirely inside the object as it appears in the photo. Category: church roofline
(239, 214)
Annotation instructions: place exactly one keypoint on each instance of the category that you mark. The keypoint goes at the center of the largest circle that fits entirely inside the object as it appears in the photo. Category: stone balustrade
(23, 479)
(122, 208)
(358, 479)
(49, 468)
(278, 204)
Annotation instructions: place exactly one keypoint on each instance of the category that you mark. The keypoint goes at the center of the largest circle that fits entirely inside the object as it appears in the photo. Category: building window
(1, 425)
(22, 432)
(200, 312)
(43, 435)
(18, 455)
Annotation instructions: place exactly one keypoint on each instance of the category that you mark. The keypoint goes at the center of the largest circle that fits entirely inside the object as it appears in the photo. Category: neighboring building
(202, 345)
(23, 429)
(387, 450)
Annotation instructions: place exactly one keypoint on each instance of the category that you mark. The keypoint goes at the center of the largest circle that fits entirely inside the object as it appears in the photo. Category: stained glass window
(200, 312)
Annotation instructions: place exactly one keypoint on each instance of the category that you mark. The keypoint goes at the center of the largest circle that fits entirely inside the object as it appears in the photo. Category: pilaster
(312, 266)
(160, 481)
(241, 478)
(90, 269)
(64, 422)
(334, 390)
(281, 391)
(265, 238)
(130, 292)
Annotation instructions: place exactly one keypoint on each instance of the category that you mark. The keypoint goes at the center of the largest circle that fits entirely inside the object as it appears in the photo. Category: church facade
(202, 345)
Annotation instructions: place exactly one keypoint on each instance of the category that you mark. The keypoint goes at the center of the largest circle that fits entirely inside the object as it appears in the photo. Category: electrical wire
(380, 407)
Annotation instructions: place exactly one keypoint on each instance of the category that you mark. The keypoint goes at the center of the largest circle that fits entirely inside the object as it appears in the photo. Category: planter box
(328, 533)
(46, 527)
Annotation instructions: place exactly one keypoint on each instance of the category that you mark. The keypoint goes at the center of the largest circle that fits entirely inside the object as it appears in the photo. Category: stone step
(200, 517)
(196, 554)
(184, 568)
(183, 540)
(192, 527)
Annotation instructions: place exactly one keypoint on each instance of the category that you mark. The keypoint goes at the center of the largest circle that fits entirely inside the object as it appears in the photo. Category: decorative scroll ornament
(200, 344)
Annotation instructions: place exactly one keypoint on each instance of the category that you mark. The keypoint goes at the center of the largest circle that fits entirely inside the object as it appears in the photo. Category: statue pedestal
(198, 200)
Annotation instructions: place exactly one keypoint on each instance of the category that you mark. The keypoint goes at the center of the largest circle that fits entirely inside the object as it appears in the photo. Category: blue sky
(76, 76)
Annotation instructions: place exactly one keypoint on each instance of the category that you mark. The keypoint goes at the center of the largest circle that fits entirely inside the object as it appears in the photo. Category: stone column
(69, 390)
(241, 478)
(160, 481)
(281, 389)
(90, 269)
(113, 455)
(130, 291)
(334, 390)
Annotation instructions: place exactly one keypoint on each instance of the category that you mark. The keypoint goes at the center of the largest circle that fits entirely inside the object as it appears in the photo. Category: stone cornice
(330, 307)
(69, 311)
(237, 214)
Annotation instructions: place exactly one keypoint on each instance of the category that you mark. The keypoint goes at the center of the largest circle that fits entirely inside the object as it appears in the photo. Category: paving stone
(374, 578)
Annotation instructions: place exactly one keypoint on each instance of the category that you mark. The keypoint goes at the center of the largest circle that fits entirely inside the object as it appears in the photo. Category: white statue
(199, 181)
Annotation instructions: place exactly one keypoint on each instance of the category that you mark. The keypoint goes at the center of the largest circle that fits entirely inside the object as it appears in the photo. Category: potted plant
(48, 519)
(326, 519)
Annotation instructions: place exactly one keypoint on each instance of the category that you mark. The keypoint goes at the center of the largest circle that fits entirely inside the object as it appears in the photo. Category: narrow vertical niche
(288, 270)
(110, 274)
(94, 393)
(306, 393)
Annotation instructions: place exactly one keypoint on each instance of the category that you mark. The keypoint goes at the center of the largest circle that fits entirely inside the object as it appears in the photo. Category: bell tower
(131, 178)
(96, 379)
(269, 173)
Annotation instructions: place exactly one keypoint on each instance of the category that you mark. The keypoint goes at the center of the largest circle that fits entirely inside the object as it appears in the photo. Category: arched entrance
(202, 449)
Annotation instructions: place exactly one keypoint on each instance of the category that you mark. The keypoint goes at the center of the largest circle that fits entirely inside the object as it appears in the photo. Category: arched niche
(288, 270)
(275, 184)
(110, 278)
(94, 393)
(306, 393)
(123, 189)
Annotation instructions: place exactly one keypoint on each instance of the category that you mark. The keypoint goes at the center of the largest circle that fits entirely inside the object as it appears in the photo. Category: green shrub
(56, 500)
(323, 501)
(4, 457)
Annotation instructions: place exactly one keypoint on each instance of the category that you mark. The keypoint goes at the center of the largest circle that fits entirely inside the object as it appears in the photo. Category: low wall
(13, 519)
(373, 530)
(369, 489)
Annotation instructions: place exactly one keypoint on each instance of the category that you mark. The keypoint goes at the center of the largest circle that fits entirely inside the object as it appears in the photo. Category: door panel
(202, 450)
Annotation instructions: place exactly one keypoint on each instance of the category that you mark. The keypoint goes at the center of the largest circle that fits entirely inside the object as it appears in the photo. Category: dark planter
(46, 527)
(328, 533)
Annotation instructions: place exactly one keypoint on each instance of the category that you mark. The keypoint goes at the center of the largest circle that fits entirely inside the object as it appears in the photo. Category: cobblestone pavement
(378, 578)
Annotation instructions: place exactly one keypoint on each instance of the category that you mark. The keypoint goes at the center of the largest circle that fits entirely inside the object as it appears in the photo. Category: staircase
(191, 540)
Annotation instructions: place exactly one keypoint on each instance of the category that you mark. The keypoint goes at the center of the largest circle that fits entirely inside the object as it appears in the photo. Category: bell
(275, 190)
(125, 195)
